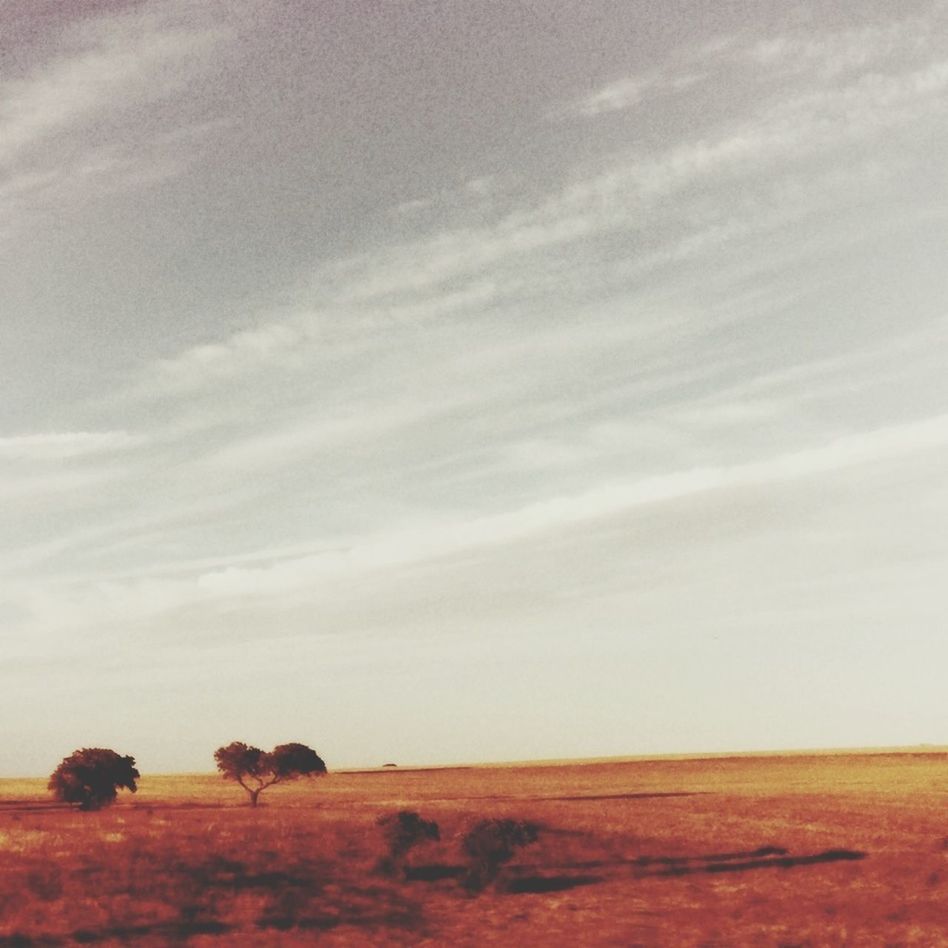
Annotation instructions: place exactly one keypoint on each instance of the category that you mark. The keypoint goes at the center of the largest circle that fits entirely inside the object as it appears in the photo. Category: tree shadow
(33, 806)
(168, 932)
(540, 884)
(743, 860)
(171, 930)
(512, 880)
(761, 852)
(19, 940)
(627, 796)
(766, 858)
(433, 873)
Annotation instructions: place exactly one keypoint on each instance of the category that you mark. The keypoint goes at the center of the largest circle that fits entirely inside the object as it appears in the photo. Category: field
(845, 849)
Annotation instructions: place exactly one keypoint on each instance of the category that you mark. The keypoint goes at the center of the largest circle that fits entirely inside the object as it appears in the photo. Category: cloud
(334, 326)
(805, 124)
(292, 443)
(317, 574)
(788, 149)
(81, 124)
(244, 350)
(624, 94)
(414, 205)
(60, 471)
(824, 57)
(833, 54)
(615, 97)
(111, 64)
(41, 492)
(70, 444)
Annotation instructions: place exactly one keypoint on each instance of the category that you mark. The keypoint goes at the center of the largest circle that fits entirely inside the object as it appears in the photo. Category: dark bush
(403, 831)
(491, 843)
(92, 777)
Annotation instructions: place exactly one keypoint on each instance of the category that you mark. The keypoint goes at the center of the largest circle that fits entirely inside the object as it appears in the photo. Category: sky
(450, 381)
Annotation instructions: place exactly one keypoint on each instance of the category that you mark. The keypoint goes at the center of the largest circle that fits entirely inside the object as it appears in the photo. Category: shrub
(92, 777)
(403, 831)
(491, 843)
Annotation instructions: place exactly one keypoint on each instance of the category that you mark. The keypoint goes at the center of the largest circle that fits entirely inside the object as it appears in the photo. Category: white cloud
(291, 443)
(44, 491)
(81, 125)
(316, 574)
(69, 444)
(414, 205)
(482, 186)
(620, 197)
(833, 54)
(615, 97)
(294, 342)
(117, 64)
(244, 350)
(624, 94)
(801, 138)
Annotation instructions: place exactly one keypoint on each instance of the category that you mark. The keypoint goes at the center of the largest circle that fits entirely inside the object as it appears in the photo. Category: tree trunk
(253, 796)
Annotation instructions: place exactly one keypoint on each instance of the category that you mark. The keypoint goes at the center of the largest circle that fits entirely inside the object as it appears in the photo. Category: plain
(804, 849)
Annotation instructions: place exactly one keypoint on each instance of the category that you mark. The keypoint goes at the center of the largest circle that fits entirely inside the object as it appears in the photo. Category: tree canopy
(255, 769)
(92, 777)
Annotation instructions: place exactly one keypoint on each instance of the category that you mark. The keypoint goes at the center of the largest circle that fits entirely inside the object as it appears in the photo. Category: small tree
(92, 777)
(255, 769)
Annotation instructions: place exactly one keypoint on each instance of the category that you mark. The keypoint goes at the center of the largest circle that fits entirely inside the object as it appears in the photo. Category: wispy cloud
(807, 123)
(615, 97)
(243, 351)
(626, 93)
(314, 574)
(49, 490)
(61, 470)
(69, 444)
(787, 149)
(834, 54)
(113, 63)
(82, 124)
(332, 325)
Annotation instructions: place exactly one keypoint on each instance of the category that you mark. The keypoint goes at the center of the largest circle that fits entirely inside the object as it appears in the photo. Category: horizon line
(869, 750)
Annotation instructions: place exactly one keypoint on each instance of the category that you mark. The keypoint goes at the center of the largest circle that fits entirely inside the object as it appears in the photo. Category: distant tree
(491, 843)
(403, 831)
(255, 769)
(92, 777)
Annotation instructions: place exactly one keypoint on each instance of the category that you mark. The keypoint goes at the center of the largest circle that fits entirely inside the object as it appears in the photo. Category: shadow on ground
(528, 878)
(540, 884)
(33, 806)
(626, 796)
(739, 862)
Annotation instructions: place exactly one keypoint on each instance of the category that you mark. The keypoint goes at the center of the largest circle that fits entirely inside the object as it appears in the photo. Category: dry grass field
(848, 849)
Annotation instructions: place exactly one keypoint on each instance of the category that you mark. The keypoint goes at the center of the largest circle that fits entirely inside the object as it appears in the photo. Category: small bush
(491, 843)
(403, 831)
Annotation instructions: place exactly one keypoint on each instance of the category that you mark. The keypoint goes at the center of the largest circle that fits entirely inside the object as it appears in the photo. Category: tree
(92, 777)
(255, 770)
